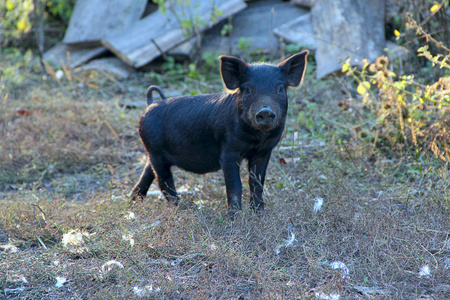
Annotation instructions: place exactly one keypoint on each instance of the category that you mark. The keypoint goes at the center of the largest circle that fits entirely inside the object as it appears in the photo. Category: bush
(17, 16)
(410, 114)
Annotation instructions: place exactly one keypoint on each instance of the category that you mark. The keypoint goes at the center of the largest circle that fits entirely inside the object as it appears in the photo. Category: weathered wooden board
(184, 51)
(394, 51)
(303, 3)
(78, 54)
(298, 31)
(111, 65)
(347, 28)
(93, 20)
(138, 45)
(254, 25)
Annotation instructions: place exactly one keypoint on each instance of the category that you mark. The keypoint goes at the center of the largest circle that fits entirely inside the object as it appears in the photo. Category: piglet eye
(281, 90)
(246, 90)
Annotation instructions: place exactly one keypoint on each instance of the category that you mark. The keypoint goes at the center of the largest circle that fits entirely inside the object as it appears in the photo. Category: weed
(409, 115)
(190, 22)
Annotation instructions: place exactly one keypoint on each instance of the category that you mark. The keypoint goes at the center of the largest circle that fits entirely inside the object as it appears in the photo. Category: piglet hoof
(182, 204)
(257, 207)
(136, 197)
(233, 211)
(174, 203)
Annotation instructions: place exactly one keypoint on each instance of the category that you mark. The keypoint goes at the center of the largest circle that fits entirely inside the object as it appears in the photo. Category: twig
(34, 210)
(282, 148)
(375, 141)
(112, 129)
(432, 14)
(38, 15)
(41, 242)
(419, 30)
(348, 152)
(163, 54)
(66, 68)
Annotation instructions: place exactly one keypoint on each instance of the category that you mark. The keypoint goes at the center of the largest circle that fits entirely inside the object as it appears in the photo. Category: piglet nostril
(265, 116)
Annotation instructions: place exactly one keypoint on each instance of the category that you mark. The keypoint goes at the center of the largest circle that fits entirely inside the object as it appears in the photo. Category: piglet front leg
(257, 166)
(229, 163)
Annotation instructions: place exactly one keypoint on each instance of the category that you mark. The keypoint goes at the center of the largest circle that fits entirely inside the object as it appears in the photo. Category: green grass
(71, 163)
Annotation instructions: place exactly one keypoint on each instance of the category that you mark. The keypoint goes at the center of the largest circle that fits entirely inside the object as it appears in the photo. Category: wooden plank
(111, 65)
(303, 3)
(347, 28)
(93, 20)
(138, 45)
(78, 55)
(298, 31)
(184, 51)
(394, 51)
(254, 25)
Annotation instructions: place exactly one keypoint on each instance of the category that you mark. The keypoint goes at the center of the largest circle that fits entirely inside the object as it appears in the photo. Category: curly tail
(150, 91)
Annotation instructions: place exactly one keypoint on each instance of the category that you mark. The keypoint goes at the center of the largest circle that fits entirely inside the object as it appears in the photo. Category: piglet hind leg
(141, 188)
(165, 180)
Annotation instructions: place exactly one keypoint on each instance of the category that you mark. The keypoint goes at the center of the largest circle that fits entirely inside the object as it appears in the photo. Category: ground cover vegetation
(358, 196)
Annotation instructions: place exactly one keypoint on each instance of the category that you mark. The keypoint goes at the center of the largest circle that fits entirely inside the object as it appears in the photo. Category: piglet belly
(197, 159)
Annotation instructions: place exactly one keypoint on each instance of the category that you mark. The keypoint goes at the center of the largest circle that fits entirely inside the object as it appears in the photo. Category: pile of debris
(130, 34)
(135, 31)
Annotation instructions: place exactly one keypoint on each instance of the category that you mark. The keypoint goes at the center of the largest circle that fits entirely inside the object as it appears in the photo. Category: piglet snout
(265, 117)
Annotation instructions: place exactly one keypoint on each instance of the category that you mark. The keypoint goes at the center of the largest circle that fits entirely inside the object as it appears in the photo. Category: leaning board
(93, 20)
(138, 44)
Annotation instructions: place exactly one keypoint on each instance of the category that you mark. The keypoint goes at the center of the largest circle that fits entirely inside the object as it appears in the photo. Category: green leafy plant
(12, 73)
(17, 16)
(190, 22)
(243, 44)
(61, 9)
(410, 115)
(226, 29)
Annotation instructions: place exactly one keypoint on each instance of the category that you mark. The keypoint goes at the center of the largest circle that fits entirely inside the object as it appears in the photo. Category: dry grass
(51, 133)
(70, 164)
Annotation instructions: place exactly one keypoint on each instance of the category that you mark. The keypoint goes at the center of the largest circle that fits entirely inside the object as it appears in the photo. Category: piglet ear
(232, 70)
(294, 67)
